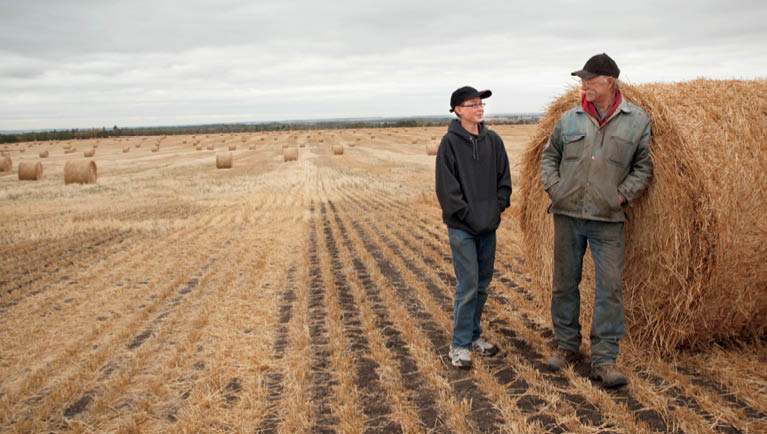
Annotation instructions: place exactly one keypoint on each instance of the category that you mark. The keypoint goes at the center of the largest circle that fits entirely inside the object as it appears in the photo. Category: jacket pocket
(620, 151)
(572, 145)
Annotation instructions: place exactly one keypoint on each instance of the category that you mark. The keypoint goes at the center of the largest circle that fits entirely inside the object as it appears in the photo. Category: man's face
(597, 89)
(471, 110)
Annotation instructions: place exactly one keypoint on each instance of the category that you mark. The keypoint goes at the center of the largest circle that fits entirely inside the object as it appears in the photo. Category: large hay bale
(29, 171)
(6, 164)
(80, 172)
(431, 148)
(90, 153)
(696, 260)
(290, 154)
(224, 160)
(43, 154)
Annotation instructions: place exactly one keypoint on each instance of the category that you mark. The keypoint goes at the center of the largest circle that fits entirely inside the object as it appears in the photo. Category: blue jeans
(473, 259)
(607, 243)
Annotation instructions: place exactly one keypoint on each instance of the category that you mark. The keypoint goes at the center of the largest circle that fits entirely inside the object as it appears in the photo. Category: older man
(596, 162)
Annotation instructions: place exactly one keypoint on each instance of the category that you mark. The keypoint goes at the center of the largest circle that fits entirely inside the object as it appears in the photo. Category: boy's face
(471, 110)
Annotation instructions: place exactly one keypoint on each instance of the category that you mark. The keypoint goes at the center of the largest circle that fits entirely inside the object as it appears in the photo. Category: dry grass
(701, 277)
(296, 297)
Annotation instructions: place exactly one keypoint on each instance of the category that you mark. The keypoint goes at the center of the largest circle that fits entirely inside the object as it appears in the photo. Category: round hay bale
(211, 148)
(338, 149)
(90, 153)
(232, 147)
(302, 145)
(5, 154)
(431, 148)
(199, 148)
(696, 261)
(80, 172)
(70, 150)
(290, 154)
(29, 171)
(43, 154)
(224, 160)
(126, 149)
(6, 164)
(252, 147)
(22, 150)
(138, 145)
(155, 148)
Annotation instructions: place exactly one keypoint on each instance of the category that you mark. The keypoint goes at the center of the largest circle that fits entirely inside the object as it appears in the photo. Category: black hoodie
(472, 179)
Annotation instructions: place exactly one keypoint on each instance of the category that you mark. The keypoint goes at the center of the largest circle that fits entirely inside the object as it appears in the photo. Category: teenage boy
(473, 187)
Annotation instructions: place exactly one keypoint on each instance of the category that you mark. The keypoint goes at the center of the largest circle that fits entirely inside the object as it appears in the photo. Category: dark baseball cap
(600, 64)
(467, 92)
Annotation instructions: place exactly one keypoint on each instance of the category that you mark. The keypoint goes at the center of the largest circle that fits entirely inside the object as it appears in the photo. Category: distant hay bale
(431, 149)
(95, 146)
(80, 172)
(138, 145)
(126, 149)
(322, 140)
(199, 147)
(302, 145)
(232, 147)
(290, 154)
(252, 147)
(224, 160)
(263, 138)
(415, 141)
(43, 154)
(211, 148)
(70, 150)
(90, 153)
(155, 149)
(338, 149)
(29, 171)
(22, 150)
(6, 164)
(696, 260)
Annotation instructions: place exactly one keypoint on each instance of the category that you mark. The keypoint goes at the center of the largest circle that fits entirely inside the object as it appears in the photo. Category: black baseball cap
(600, 64)
(467, 92)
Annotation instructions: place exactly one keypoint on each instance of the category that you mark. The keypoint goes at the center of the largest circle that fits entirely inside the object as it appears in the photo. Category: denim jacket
(585, 167)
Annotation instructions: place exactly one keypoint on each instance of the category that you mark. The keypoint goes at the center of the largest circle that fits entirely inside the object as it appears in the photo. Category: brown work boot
(609, 375)
(562, 358)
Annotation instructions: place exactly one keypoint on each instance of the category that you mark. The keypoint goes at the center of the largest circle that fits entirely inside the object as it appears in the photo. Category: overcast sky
(94, 63)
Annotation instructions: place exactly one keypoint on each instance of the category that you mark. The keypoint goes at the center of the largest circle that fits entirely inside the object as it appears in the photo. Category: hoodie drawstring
(474, 145)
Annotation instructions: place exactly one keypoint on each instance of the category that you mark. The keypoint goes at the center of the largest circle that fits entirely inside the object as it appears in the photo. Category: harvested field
(314, 296)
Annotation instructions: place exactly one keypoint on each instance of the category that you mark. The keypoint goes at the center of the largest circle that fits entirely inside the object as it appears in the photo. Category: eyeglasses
(474, 106)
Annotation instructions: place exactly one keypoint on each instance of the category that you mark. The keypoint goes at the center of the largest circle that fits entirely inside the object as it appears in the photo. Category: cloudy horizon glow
(85, 63)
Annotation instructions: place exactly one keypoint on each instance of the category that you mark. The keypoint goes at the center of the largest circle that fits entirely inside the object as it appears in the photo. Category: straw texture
(80, 172)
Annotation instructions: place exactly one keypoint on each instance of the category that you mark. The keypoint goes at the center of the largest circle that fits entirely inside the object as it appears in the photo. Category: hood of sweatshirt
(469, 139)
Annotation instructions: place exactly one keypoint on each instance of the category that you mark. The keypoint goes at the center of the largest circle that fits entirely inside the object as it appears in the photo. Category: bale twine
(232, 147)
(6, 164)
(224, 160)
(338, 149)
(290, 154)
(126, 149)
(43, 154)
(29, 171)
(431, 148)
(90, 153)
(80, 172)
(696, 261)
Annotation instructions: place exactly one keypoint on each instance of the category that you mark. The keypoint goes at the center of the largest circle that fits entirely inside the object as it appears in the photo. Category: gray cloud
(99, 63)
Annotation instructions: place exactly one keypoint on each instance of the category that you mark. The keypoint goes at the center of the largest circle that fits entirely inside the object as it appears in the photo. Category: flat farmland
(305, 296)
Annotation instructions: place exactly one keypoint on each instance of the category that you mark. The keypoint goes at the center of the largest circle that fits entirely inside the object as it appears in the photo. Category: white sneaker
(484, 348)
(460, 357)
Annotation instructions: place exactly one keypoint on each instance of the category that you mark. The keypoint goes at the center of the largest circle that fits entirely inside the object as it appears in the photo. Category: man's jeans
(607, 243)
(473, 259)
